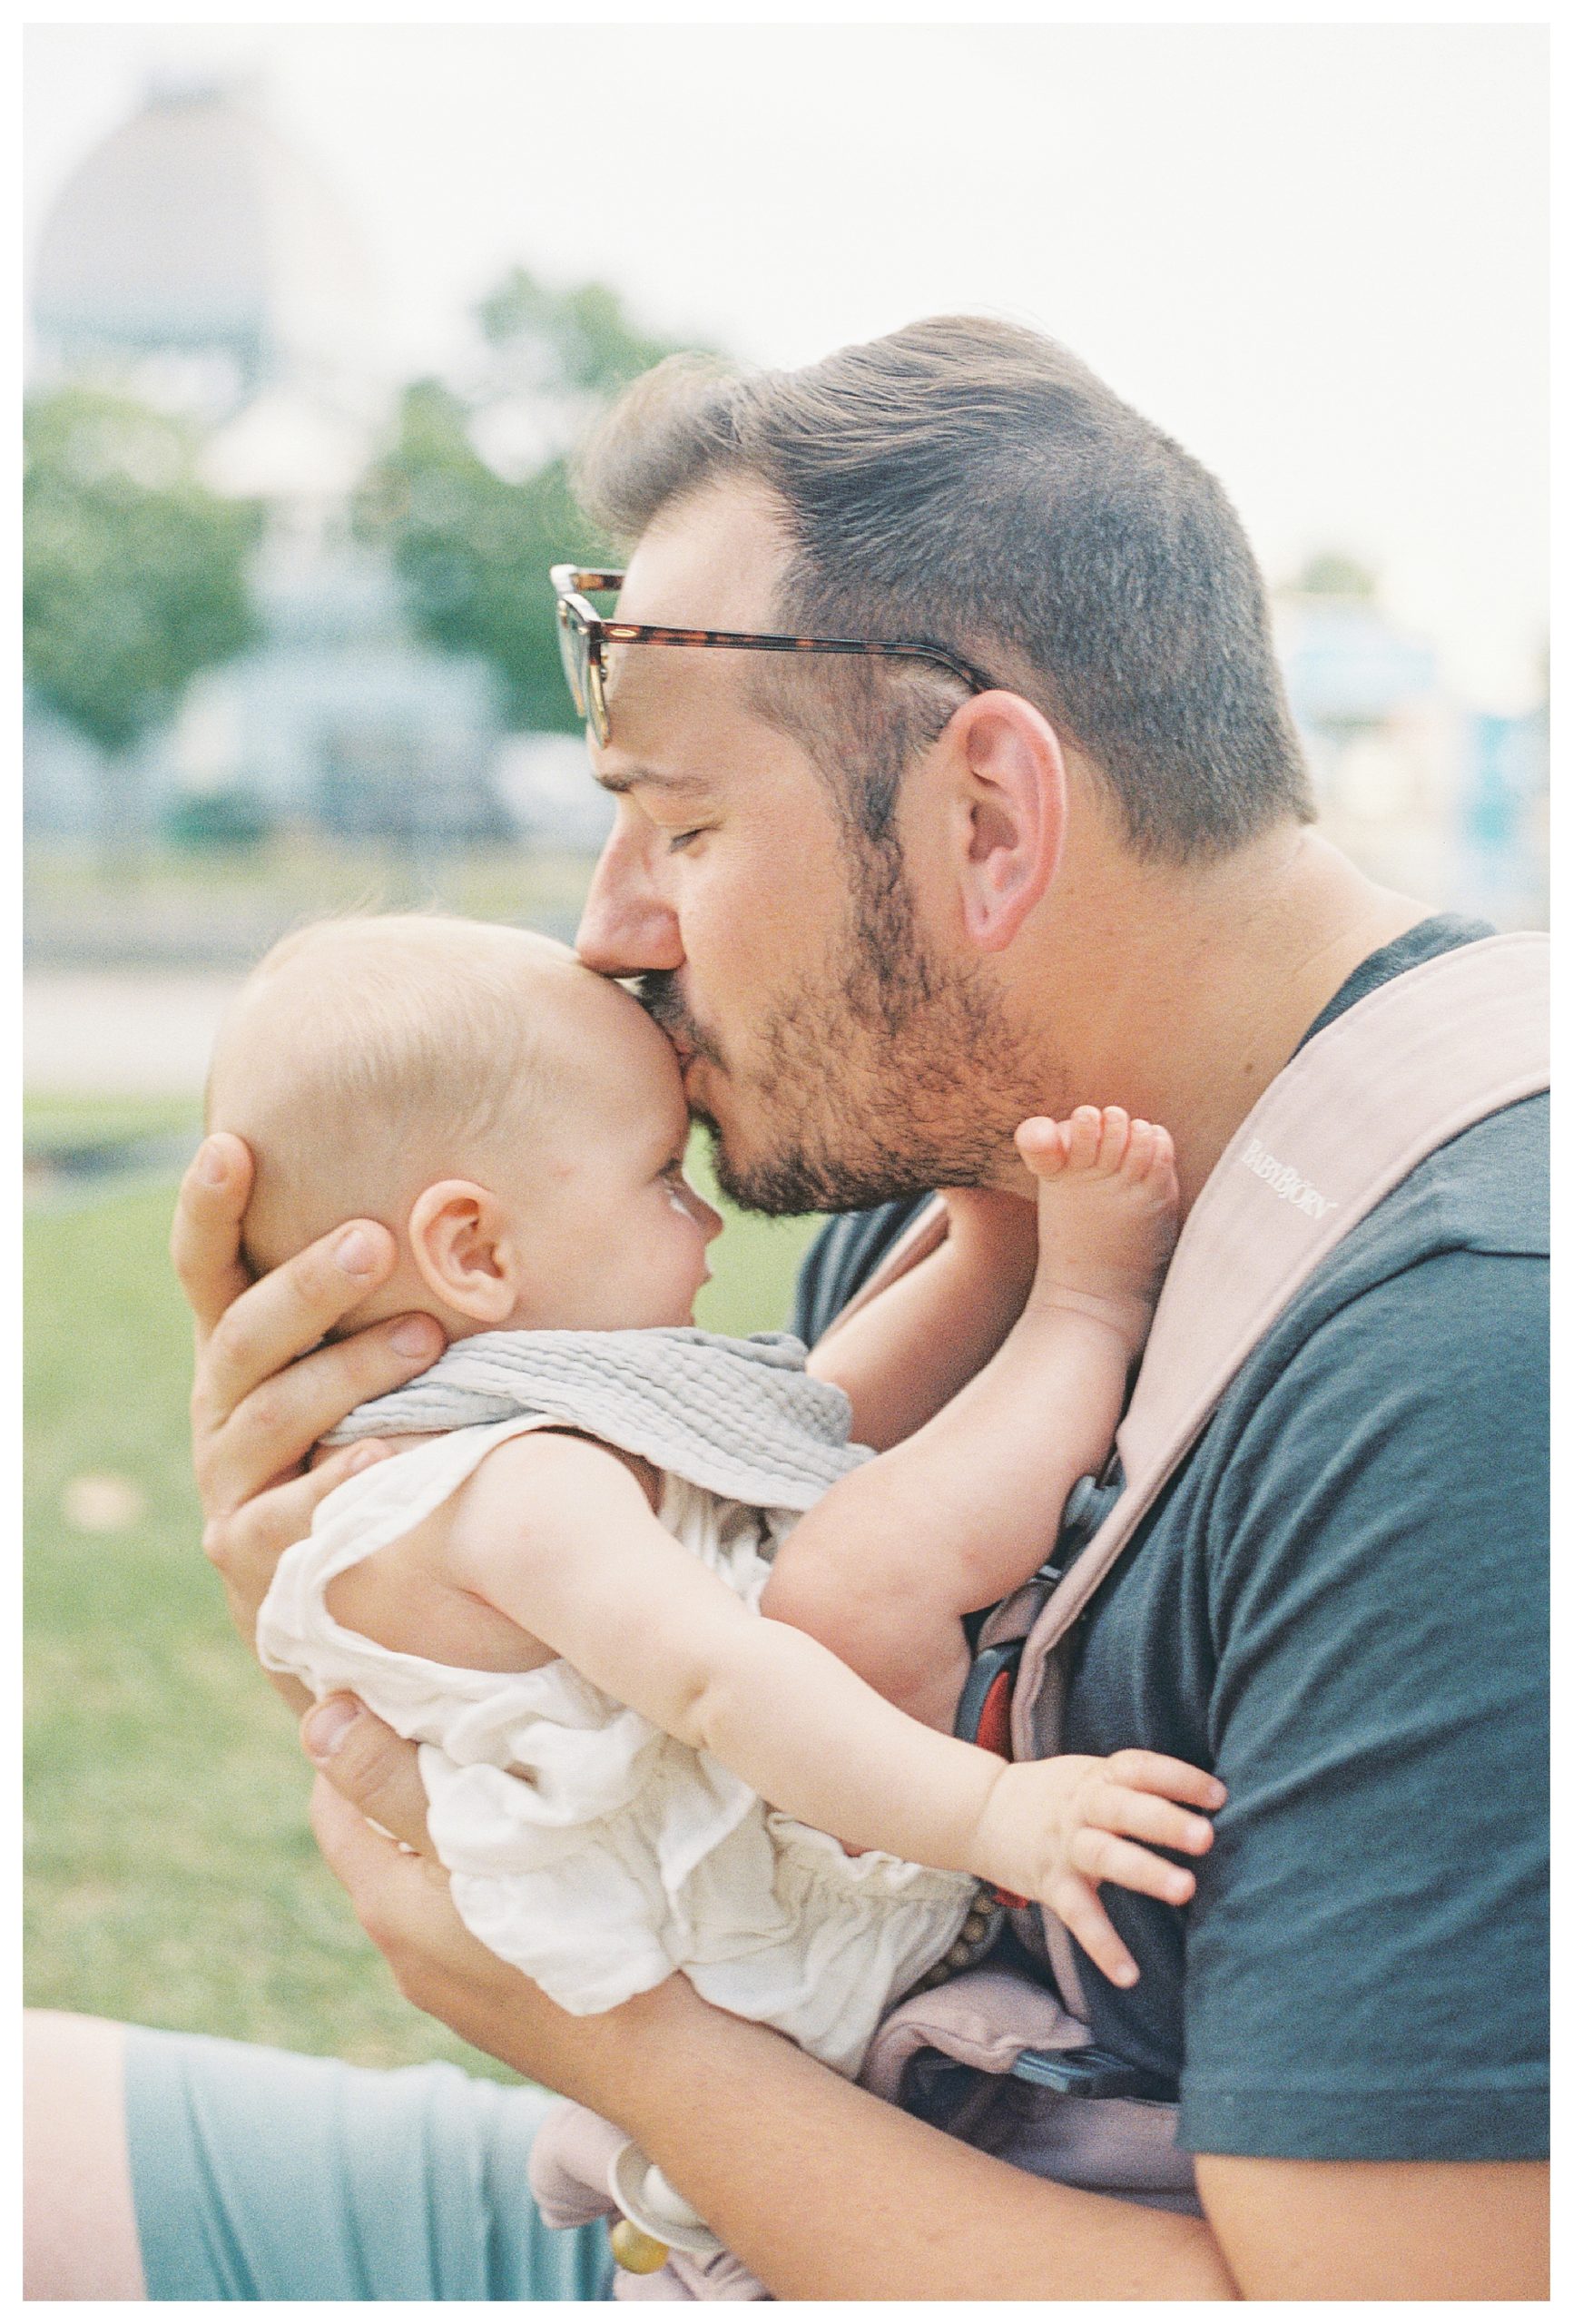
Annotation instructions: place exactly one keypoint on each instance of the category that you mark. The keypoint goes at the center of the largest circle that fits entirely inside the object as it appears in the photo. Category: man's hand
(400, 1896)
(264, 1390)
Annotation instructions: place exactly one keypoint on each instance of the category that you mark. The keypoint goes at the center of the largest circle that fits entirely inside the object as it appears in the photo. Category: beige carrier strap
(1389, 1081)
(921, 1235)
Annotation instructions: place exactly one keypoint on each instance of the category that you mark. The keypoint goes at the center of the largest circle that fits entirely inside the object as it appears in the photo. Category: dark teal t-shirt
(1339, 1604)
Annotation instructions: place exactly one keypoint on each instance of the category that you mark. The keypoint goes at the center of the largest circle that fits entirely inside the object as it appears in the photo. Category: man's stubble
(890, 1075)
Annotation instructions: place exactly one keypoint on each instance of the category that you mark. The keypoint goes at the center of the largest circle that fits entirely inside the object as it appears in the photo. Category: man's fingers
(406, 1907)
(274, 1428)
(402, 1900)
(205, 1237)
(275, 1321)
(247, 1545)
(368, 1765)
(357, 1855)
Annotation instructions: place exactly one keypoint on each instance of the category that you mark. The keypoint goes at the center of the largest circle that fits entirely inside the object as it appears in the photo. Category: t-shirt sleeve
(1366, 1965)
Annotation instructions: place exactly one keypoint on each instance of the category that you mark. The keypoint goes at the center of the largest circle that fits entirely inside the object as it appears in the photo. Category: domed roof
(195, 228)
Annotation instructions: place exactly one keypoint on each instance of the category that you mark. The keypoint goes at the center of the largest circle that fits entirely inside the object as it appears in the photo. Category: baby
(555, 1587)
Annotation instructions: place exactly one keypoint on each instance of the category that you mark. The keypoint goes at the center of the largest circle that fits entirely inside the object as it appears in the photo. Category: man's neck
(1214, 980)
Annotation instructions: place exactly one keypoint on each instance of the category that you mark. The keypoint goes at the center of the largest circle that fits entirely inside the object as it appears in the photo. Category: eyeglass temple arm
(628, 633)
(575, 577)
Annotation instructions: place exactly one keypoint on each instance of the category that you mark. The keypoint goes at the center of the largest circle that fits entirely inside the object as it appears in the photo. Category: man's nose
(627, 927)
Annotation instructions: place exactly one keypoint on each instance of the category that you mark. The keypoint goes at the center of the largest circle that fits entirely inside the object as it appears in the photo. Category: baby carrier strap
(1392, 1078)
(1395, 1076)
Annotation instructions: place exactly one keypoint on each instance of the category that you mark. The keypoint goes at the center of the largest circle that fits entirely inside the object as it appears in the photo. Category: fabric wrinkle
(587, 1847)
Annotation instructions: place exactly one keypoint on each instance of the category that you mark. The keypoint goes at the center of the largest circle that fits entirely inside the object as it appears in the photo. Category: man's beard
(895, 1076)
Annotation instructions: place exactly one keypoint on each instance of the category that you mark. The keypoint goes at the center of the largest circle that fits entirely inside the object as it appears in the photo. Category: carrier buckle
(1089, 2073)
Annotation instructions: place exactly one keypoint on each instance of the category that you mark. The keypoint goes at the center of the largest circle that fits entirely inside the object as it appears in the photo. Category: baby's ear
(462, 1244)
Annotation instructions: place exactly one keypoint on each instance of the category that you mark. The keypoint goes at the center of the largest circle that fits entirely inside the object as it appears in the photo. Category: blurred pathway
(120, 1033)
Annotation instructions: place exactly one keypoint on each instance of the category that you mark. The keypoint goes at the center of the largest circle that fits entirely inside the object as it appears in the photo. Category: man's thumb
(371, 1766)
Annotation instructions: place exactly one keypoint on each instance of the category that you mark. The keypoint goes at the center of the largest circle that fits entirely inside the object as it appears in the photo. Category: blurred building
(197, 244)
(1434, 797)
(197, 260)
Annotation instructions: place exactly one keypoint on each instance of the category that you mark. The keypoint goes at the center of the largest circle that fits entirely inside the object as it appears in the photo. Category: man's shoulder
(1387, 1405)
(1485, 1189)
(1486, 1193)
(1488, 1190)
(1420, 1342)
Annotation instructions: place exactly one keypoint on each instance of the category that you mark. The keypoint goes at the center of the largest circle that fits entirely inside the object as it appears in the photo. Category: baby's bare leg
(1107, 1198)
(883, 1570)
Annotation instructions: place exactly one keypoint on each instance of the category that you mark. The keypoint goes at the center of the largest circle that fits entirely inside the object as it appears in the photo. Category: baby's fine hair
(367, 1055)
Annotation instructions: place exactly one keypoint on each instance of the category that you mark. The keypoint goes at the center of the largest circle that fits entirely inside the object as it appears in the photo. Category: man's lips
(688, 1051)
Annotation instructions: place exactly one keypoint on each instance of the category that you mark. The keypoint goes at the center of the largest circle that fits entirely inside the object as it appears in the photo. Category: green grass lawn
(172, 1878)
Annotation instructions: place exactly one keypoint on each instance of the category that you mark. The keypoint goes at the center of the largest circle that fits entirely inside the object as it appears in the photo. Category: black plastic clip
(1087, 1503)
(1090, 2073)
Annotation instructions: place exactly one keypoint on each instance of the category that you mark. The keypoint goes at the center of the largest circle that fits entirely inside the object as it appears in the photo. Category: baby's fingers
(1101, 1856)
(1077, 1906)
(1174, 1778)
(1141, 1817)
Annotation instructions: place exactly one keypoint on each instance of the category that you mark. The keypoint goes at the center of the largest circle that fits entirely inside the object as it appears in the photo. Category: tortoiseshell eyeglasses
(584, 636)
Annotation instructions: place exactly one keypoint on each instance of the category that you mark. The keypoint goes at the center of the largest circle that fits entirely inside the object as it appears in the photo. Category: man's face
(839, 1043)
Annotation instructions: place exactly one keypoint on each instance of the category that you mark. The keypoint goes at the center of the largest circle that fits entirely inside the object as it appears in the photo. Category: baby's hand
(1052, 1828)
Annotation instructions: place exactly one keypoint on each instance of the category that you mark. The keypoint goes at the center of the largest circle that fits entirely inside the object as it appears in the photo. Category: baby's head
(515, 1120)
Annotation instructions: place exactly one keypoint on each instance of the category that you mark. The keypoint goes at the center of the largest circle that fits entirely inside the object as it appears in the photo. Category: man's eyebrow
(647, 778)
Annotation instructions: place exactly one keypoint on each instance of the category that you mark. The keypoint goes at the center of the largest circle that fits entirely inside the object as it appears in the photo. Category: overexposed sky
(1315, 253)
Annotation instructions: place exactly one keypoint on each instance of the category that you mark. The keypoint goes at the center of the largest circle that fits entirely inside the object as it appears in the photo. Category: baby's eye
(679, 1192)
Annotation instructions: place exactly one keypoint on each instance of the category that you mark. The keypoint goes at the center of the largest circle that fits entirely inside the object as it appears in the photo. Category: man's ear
(461, 1242)
(1010, 812)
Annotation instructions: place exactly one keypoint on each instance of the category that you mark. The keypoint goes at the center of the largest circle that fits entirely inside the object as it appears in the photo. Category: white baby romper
(587, 1847)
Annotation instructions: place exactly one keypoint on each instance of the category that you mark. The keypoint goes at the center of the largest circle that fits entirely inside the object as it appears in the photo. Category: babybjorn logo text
(1285, 1181)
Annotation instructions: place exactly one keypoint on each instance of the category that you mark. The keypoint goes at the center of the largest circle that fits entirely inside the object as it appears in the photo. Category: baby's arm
(591, 1573)
(882, 1568)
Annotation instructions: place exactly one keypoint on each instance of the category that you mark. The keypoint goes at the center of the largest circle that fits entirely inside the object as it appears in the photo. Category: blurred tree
(471, 550)
(567, 343)
(472, 499)
(234, 819)
(135, 574)
(1331, 573)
